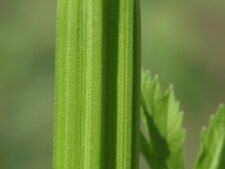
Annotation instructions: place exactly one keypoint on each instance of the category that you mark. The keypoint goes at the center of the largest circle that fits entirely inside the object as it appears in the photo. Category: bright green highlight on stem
(97, 84)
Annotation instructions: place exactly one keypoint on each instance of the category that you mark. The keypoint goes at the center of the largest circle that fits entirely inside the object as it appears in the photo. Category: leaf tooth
(212, 151)
(163, 121)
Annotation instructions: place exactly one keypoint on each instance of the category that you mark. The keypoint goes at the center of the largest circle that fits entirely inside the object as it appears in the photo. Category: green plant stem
(97, 85)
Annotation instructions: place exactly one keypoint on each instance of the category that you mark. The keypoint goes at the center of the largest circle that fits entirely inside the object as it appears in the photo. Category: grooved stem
(97, 85)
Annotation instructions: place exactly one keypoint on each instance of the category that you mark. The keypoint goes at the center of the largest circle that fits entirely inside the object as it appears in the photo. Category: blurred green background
(183, 42)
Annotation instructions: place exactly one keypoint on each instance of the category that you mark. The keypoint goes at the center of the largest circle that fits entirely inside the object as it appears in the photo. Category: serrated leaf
(162, 137)
(212, 151)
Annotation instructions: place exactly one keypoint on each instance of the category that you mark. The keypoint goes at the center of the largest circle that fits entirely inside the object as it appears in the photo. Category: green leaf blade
(162, 126)
(212, 152)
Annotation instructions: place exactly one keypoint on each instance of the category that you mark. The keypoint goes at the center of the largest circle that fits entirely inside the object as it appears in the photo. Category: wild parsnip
(97, 96)
(97, 84)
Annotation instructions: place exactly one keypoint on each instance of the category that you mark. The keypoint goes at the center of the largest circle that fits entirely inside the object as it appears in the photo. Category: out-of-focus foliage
(184, 44)
(27, 31)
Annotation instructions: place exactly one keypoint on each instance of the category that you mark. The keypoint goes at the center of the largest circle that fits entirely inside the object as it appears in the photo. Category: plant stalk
(97, 84)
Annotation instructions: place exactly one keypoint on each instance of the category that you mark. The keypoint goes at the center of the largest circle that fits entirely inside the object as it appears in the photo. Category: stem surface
(97, 85)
